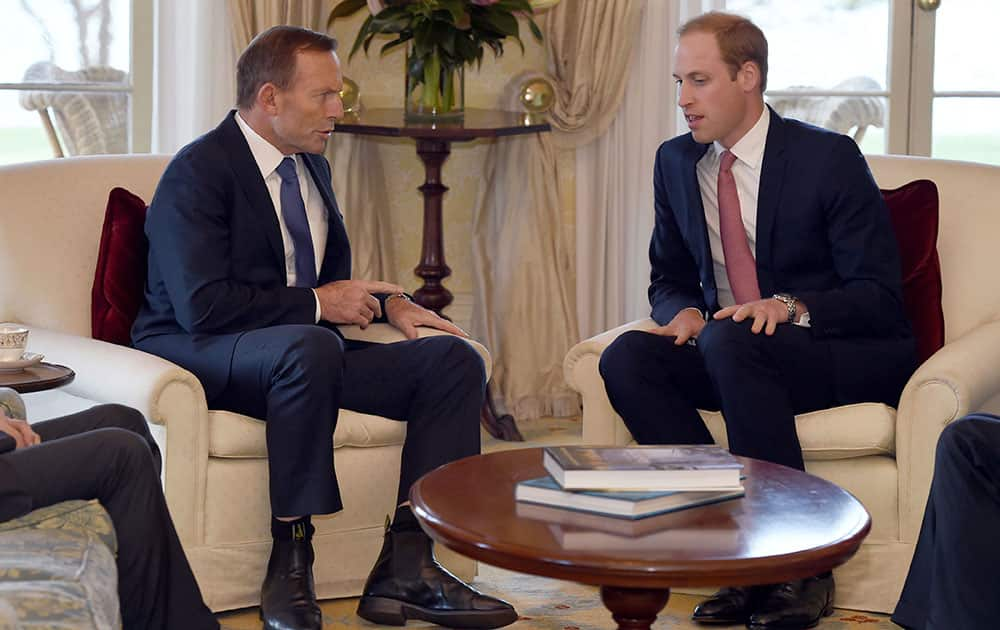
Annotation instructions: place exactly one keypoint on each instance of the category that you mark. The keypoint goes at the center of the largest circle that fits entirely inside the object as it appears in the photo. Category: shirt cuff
(803, 321)
(319, 311)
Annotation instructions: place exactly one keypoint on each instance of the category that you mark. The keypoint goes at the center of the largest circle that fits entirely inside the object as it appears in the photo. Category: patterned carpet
(546, 604)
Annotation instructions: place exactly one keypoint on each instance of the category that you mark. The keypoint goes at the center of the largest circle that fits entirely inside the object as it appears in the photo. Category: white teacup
(13, 341)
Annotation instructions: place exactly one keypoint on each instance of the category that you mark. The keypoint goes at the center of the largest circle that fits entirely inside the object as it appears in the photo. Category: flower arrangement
(442, 37)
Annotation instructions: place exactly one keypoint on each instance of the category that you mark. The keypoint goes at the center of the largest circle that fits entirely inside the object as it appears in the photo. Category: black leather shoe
(729, 605)
(408, 583)
(288, 596)
(799, 604)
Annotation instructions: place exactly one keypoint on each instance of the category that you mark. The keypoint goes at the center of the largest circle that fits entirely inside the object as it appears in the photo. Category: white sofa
(884, 456)
(51, 214)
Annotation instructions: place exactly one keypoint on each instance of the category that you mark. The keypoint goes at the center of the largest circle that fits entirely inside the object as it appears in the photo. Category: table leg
(634, 608)
(432, 268)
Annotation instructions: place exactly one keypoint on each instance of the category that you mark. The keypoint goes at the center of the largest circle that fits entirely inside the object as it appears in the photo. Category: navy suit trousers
(758, 381)
(954, 580)
(298, 377)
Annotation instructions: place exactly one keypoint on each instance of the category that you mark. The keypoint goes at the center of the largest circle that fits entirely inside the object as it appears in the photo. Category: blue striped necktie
(293, 211)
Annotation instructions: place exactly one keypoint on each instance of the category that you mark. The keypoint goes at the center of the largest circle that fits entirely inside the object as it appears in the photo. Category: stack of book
(634, 482)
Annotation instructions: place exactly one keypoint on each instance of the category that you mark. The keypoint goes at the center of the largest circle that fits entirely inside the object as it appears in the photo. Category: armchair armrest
(386, 333)
(958, 379)
(107, 372)
(601, 425)
(165, 393)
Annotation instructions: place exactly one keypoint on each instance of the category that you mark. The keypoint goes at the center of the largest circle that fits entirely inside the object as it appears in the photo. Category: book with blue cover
(623, 504)
(700, 467)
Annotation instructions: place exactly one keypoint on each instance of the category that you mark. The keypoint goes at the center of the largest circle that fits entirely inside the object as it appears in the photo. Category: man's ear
(749, 76)
(267, 97)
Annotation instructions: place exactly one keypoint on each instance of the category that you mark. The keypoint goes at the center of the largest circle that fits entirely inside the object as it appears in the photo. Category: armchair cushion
(913, 210)
(121, 268)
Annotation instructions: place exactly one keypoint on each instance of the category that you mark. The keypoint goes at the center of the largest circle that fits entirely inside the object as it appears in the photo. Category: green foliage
(445, 34)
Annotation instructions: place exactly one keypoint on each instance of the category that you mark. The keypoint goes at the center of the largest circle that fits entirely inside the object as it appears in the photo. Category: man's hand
(19, 430)
(351, 301)
(407, 316)
(685, 325)
(766, 314)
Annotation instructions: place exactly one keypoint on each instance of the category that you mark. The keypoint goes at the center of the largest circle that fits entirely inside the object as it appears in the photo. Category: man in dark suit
(953, 577)
(107, 453)
(249, 274)
(775, 284)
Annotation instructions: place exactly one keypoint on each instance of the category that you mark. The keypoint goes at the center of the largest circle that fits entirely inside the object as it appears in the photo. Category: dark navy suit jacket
(216, 258)
(823, 235)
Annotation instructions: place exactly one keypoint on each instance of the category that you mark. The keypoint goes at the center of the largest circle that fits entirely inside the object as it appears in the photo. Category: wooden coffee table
(790, 525)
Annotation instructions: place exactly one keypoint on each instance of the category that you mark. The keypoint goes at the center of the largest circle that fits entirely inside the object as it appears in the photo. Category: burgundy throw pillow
(913, 210)
(121, 269)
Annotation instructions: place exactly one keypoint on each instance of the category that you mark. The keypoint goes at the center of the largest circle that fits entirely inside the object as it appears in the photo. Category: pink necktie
(740, 266)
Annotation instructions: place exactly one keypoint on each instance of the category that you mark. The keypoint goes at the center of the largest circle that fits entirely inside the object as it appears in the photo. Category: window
(66, 83)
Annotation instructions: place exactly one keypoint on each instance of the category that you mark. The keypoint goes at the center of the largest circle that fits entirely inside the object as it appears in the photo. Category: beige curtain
(525, 309)
(357, 168)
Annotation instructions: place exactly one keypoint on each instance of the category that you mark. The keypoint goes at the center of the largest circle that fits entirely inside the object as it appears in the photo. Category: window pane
(964, 45)
(822, 43)
(85, 123)
(65, 40)
(967, 129)
(861, 117)
(22, 137)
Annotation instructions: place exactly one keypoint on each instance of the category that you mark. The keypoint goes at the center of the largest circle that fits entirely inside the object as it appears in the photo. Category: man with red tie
(775, 282)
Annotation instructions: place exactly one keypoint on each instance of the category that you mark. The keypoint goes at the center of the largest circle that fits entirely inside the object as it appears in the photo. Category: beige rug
(546, 604)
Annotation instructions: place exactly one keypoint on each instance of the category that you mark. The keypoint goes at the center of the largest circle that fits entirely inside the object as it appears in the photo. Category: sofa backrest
(969, 234)
(51, 214)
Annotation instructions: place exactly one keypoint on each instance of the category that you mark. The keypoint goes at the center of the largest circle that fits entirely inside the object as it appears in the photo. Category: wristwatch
(392, 296)
(789, 302)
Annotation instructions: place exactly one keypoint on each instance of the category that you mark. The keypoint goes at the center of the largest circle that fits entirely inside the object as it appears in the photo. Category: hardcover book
(621, 504)
(684, 467)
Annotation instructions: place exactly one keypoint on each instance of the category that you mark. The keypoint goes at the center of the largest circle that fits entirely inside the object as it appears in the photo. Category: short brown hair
(270, 58)
(739, 40)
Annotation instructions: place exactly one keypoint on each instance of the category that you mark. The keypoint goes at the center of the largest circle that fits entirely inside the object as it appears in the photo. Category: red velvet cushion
(913, 210)
(121, 269)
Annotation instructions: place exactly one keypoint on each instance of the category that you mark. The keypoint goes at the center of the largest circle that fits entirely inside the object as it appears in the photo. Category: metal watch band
(789, 303)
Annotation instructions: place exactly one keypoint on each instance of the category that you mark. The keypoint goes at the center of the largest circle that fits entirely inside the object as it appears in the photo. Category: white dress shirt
(749, 152)
(268, 157)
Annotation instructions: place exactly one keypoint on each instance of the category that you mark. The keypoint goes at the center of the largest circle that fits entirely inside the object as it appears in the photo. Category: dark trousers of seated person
(759, 382)
(299, 377)
(954, 578)
(107, 453)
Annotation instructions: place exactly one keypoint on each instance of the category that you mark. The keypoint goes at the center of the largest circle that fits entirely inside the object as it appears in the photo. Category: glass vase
(433, 92)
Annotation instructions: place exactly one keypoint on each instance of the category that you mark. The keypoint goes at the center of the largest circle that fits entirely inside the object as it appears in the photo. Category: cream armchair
(884, 456)
(215, 463)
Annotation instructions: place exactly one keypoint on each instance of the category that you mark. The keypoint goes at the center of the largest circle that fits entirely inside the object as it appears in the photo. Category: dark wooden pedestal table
(37, 378)
(433, 146)
(790, 525)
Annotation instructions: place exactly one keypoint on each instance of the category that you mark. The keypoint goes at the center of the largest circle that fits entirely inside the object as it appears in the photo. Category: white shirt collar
(267, 156)
(750, 148)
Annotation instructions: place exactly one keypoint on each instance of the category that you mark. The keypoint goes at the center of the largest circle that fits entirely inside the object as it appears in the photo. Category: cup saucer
(27, 359)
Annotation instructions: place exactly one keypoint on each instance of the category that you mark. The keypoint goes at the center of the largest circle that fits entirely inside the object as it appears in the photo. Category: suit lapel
(697, 229)
(772, 177)
(250, 179)
(337, 243)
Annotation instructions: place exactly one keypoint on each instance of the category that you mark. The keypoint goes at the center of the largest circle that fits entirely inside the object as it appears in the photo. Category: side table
(37, 378)
(433, 147)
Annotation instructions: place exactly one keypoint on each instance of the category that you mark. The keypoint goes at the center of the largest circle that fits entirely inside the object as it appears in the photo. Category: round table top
(790, 525)
(37, 378)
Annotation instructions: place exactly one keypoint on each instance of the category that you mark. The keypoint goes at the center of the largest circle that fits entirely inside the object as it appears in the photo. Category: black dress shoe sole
(393, 612)
(721, 621)
(828, 611)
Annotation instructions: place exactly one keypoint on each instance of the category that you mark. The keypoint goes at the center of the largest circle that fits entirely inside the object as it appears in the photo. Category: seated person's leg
(657, 388)
(113, 465)
(956, 557)
(291, 376)
(436, 385)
